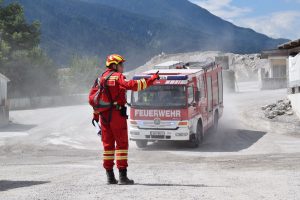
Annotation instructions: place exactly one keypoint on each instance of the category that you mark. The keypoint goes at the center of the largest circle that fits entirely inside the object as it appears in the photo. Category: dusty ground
(54, 153)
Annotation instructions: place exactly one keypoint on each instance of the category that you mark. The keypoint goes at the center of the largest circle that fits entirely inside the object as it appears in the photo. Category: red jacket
(117, 86)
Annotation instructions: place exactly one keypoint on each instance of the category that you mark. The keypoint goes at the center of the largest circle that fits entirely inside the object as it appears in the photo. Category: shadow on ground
(173, 185)
(12, 127)
(8, 185)
(230, 140)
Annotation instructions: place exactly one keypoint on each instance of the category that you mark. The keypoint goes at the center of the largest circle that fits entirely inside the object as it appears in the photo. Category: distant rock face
(281, 107)
(245, 66)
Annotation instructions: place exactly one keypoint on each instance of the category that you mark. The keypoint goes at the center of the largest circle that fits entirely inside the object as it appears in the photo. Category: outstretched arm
(137, 85)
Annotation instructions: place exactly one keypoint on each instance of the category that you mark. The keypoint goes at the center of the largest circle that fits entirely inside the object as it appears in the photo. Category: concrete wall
(229, 81)
(278, 67)
(4, 113)
(294, 71)
(272, 83)
(39, 102)
(295, 99)
(294, 82)
(266, 83)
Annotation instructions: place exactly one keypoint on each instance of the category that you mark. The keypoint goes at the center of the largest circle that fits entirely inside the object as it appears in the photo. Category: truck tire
(198, 137)
(216, 122)
(141, 143)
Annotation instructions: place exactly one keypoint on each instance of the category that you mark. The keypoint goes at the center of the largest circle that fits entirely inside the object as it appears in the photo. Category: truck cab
(181, 106)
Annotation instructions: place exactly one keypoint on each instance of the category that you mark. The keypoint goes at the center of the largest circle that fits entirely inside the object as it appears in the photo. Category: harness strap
(111, 101)
(103, 104)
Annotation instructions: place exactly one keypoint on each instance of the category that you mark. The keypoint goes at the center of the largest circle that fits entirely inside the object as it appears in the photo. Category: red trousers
(114, 139)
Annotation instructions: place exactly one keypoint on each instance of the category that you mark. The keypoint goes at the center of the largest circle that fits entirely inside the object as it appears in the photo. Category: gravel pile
(281, 107)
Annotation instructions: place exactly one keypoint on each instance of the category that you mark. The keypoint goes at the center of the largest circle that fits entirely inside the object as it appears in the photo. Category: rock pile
(281, 107)
(244, 66)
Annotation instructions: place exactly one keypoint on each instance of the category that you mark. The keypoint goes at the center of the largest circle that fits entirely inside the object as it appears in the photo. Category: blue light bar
(177, 77)
(164, 77)
(140, 77)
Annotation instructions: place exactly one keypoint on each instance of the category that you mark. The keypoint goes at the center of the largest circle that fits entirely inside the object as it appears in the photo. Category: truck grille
(171, 125)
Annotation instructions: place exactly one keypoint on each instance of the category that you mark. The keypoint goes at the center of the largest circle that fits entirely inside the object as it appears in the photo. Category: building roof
(290, 45)
(283, 50)
(274, 53)
(4, 77)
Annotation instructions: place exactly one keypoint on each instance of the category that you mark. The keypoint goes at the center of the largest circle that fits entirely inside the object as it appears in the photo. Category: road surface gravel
(54, 153)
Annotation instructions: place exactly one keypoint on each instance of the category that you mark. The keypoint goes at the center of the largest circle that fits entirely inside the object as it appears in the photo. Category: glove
(95, 119)
(155, 76)
(99, 133)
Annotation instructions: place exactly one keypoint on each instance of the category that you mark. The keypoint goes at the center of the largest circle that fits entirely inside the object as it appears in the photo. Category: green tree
(83, 71)
(18, 34)
(31, 72)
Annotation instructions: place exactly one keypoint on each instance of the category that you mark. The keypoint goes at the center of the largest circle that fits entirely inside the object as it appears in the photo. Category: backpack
(96, 92)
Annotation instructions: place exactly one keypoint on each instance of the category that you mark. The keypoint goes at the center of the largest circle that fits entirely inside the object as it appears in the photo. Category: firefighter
(113, 119)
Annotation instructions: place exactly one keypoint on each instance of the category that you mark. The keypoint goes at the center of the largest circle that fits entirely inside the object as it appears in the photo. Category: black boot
(111, 177)
(124, 179)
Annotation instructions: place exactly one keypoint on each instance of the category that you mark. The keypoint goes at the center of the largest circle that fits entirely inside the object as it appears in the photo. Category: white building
(276, 77)
(294, 75)
(4, 111)
(288, 53)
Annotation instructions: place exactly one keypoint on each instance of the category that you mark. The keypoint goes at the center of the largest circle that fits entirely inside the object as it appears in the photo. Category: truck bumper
(180, 134)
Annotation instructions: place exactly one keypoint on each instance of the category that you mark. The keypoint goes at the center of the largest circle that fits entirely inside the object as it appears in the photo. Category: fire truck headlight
(140, 123)
(181, 134)
(132, 122)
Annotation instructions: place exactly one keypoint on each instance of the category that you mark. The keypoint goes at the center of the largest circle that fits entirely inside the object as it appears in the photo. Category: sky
(275, 18)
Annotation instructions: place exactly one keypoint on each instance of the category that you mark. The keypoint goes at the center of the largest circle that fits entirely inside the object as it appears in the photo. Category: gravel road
(53, 153)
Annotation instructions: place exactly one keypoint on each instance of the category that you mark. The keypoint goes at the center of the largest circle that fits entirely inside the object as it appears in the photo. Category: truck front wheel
(216, 122)
(141, 143)
(197, 138)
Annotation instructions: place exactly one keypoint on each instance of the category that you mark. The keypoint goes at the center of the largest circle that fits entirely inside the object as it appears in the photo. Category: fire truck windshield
(173, 96)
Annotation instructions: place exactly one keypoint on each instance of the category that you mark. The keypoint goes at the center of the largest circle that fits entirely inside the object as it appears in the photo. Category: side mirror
(197, 96)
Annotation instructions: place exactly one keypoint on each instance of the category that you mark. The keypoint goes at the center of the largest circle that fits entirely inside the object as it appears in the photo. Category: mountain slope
(185, 13)
(138, 29)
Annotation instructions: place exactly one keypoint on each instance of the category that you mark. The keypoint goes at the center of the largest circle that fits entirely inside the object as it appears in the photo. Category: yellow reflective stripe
(121, 151)
(108, 157)
(110, 62)
(108, 152)
(139, 85)
(113, 78)
(144, 83)
(121, 157)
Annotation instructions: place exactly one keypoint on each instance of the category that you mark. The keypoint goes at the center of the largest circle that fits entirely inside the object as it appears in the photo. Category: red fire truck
(182, 106)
